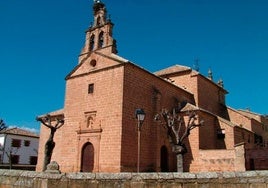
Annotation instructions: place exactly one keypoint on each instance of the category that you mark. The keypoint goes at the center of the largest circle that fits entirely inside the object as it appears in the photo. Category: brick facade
(104, 90)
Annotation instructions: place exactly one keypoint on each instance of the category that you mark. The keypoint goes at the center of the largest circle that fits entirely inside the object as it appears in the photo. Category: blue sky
(40, 42)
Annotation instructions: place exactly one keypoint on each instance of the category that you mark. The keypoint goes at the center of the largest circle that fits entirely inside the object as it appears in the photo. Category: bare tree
(3, 126)
(177, 131)
(50, 144)
(9, 153)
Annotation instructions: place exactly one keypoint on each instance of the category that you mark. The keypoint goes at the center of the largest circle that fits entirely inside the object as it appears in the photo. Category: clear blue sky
(40, 42)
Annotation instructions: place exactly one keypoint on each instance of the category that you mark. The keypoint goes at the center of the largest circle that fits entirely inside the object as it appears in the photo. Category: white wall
(2, 140)
(23, 151)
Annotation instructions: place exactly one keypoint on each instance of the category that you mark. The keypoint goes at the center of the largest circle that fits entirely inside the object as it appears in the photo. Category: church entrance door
(87, 161)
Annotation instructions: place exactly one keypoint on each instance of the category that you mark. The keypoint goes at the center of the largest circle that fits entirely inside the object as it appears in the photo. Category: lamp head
(140, 114)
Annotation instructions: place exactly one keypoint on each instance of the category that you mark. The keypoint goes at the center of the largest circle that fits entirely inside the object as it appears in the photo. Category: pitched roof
(191, 107)
(231, 124)
(19, 131)
(249, 114)
(172, 70)
(180, 69)
(111, 56)
(118, 58)
(59, 112)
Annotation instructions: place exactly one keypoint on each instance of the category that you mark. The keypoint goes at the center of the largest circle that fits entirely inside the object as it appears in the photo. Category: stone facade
(104, 90)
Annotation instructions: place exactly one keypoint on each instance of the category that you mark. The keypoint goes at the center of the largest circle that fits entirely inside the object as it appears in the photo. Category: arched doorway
(87, 158)
(164, 159)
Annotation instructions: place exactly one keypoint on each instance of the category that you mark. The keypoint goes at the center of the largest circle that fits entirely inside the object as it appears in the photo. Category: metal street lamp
(140, 116)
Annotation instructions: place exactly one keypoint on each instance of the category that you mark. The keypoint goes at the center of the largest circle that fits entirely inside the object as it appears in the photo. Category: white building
(21, 145)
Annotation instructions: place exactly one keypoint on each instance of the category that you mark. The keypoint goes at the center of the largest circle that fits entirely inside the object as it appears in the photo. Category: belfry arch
(101, 40)
(92, 43)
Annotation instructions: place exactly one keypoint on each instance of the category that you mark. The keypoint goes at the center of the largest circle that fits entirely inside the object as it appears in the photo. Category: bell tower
(99, 36)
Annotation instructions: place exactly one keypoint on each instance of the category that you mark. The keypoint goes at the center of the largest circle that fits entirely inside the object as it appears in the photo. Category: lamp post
(140, 116)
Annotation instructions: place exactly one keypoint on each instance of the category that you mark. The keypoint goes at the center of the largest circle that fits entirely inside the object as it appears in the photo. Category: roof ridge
(172, 69)
(19, 131)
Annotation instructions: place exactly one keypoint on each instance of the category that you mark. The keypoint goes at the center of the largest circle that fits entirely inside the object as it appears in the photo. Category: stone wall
(217, 160)
(257, 159)
(23, 179)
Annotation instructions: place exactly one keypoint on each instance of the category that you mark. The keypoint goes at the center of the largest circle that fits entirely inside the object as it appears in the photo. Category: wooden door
(87, 158)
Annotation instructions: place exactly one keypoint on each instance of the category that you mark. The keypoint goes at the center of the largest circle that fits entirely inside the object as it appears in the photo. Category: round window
(93, 62)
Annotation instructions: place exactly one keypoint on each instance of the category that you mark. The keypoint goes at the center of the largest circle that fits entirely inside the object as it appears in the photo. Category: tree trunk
(179, 150)
(179, 163)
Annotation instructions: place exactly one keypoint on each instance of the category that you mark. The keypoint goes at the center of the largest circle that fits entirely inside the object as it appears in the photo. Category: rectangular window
(27, 143)
(15, 159)
(16, 143)
(90, 88)
(33, 160)
(258, 140)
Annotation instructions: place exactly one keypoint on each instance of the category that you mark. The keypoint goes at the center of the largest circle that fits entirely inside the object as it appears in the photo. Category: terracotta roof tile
(172, 69)
(54, 113)
(18, 131)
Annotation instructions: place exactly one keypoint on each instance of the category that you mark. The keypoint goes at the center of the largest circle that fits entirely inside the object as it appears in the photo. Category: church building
(100, 131)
